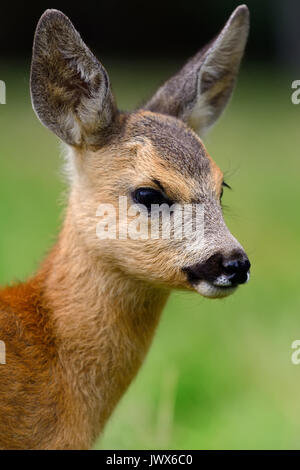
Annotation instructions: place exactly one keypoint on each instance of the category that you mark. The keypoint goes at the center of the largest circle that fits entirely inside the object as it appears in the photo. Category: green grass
(219, 373)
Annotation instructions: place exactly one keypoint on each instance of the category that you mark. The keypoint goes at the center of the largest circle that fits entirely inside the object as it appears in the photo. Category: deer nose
(221, 270)
(236, 269)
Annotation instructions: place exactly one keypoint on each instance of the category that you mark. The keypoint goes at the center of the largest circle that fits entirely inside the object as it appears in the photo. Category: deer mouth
(219, 276)
(214, 291)
(221, 287)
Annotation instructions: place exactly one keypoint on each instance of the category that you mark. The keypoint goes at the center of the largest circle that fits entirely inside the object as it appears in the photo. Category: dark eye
(149, 196)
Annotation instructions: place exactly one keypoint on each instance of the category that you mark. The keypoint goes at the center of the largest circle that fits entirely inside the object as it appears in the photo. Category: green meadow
(219, 374)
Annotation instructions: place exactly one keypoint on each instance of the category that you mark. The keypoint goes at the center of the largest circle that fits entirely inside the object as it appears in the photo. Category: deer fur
(77, 332)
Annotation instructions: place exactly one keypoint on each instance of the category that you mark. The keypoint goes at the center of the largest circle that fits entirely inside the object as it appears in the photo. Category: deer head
(152, 156)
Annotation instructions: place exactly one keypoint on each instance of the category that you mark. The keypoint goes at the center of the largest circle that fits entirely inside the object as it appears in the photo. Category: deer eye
(149, 196)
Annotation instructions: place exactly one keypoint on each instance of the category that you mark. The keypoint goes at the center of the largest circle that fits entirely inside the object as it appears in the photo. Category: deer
(78, 330)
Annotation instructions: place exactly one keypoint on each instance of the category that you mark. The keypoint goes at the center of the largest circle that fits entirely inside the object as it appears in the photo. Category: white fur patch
(209, 290)
(222, 281)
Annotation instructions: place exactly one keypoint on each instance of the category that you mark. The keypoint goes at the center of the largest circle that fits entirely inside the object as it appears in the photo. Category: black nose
(236, 269)
(221, 270)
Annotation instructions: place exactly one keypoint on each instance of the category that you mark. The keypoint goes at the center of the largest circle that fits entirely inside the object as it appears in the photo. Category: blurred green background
(219, 374)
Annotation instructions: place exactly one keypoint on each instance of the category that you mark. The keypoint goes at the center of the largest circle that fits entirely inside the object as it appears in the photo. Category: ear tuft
(70, 89)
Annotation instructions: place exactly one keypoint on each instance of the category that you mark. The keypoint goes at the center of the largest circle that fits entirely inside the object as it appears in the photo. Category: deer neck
(104, 322)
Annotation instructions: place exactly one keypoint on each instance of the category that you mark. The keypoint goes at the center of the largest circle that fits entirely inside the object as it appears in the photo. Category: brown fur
(77, 332)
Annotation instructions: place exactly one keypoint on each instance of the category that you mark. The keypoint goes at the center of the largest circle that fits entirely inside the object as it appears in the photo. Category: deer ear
(70, 89)
(200, 91)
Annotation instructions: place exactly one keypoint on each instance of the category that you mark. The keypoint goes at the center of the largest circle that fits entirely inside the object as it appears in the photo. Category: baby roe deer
(77, 332)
